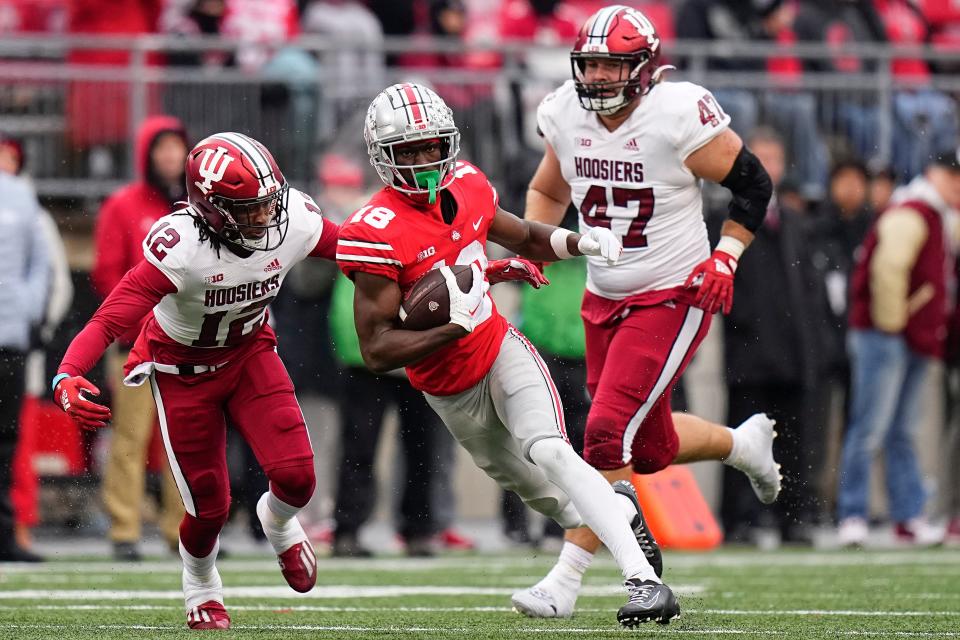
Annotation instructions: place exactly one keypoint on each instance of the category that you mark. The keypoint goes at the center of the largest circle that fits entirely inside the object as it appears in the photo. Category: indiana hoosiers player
(630, 150)
(211, 269)
(481, 376)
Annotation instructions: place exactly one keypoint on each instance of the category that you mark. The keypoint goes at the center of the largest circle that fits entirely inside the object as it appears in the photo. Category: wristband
(731, 246)
(56, 380)
(558, 241)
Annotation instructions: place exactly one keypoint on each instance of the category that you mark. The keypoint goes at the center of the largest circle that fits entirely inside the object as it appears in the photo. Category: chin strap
(428, 180)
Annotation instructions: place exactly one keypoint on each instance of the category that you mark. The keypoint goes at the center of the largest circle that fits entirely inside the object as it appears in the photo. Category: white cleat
(542, 601)
(852, 533)
(756, 436)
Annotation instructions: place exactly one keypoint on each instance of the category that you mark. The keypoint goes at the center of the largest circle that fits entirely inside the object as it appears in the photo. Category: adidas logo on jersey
(632, 145)
(273, 266)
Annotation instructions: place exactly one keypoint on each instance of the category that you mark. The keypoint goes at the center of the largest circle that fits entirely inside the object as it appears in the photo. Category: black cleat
(648, 600)
(644, 536)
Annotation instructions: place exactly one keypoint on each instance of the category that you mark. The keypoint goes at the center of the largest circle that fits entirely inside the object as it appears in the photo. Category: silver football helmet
(408, 112)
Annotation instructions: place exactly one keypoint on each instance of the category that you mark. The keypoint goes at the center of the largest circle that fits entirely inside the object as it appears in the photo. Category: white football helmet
(408, 112)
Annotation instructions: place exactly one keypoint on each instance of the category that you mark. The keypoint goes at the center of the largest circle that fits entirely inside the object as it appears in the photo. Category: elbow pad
(750, 185)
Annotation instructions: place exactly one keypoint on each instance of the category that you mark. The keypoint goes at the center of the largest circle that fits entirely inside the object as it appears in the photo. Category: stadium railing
(75, 119)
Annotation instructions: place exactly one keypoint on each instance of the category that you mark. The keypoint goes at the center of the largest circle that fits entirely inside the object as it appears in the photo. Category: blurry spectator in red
(33, 16)
(195, 18)
(124, 219)
(98, 110)
(551, 22)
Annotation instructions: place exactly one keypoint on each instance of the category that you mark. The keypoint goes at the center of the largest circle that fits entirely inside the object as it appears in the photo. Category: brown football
(427, 305)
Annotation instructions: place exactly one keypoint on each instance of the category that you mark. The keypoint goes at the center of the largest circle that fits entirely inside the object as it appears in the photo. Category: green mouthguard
(429, 180)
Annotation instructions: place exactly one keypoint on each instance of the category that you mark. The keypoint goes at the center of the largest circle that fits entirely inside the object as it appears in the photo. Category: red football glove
(516, 269)
(714, 281)
(69, 395)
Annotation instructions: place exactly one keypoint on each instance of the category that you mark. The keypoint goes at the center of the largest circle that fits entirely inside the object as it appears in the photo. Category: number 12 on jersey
(593, 209)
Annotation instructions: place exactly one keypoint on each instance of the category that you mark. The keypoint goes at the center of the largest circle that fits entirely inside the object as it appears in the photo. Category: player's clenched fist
(465, 306)
(714, 281)
(516, 269)
(68, 393)
(600, 241)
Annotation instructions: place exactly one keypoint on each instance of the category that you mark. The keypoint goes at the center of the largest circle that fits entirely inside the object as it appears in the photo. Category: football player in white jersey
(211, 270)
(629, 150)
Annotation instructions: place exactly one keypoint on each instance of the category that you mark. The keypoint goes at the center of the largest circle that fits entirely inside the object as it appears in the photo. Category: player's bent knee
(210, 492)
(293, 484)
(653, 456)
(602, 449)
(553, 456)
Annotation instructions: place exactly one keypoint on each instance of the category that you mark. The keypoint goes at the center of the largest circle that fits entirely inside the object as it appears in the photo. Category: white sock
(736, 451)
(279, 522)
(571, 565)
(596, 502)
(201, 580)
(200, 567)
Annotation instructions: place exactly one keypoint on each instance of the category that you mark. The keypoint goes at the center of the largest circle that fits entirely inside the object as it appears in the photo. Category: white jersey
(634, 181)
(222, 298)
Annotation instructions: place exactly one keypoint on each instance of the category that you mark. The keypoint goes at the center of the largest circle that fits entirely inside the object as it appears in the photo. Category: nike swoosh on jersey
(476, 225)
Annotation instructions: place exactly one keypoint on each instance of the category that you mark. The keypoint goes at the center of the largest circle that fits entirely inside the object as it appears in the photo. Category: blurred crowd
(801, 343)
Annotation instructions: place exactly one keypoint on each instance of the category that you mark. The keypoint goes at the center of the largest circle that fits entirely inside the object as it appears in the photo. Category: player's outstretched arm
(384, 346)
(539, 241)
(727, 161)
(548, 195)
(136, 295)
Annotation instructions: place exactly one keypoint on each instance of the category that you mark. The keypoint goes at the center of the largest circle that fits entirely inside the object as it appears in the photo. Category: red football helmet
(236, 185)
(616, 33)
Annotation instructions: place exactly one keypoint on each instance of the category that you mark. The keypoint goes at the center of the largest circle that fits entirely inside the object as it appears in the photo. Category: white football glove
(465, 307)
(600, 241)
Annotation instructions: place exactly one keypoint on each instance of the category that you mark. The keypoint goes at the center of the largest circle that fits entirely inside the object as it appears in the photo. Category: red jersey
(393, 237)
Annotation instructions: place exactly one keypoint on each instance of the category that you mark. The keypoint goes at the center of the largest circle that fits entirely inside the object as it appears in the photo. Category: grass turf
(792, 594)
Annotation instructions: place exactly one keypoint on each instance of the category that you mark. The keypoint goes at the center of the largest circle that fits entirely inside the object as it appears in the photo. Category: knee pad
(210, 491)
(294, 484)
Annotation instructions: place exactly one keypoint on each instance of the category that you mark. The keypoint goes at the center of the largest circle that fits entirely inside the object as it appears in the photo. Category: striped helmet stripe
(601, 25)
(412, 97)
(251, 150)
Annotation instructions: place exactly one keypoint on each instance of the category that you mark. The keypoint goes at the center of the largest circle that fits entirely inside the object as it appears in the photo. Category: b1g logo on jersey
(212, 168)
(426, 253)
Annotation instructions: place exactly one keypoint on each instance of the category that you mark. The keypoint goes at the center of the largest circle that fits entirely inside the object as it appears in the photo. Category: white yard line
(318, 592)
(500, 563)
(330, 609)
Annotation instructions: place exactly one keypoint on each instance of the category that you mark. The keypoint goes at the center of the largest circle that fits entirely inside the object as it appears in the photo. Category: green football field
(724, 594)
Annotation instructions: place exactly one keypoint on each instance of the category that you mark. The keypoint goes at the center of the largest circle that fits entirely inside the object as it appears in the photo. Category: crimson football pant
(632, 366)
(258, 396)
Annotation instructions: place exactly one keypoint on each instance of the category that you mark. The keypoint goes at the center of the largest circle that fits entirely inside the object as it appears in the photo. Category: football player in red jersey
(481, 375)
(210, 271)
(630, 151)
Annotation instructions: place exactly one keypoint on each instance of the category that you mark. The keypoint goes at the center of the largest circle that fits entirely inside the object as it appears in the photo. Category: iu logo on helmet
(213, 166)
